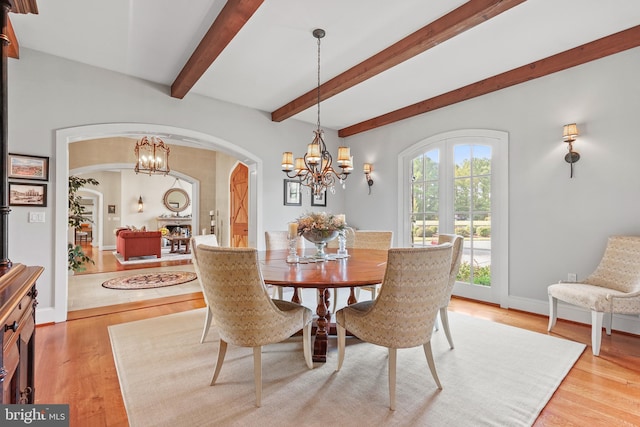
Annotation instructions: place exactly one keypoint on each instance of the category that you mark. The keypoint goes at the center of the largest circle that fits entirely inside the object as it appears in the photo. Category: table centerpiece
(320, 228)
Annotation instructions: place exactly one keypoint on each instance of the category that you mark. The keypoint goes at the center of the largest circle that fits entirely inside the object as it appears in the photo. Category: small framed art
(292, 192)
(111, 209)
(320, 200)
(27, 194)
(22, 166)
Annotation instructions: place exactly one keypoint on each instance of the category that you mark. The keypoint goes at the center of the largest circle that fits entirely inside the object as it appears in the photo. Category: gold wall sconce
(569, 135)
(368, 168)
(140, 205)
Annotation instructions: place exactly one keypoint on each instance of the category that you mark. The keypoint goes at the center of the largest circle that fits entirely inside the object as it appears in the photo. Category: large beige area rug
(496, 376)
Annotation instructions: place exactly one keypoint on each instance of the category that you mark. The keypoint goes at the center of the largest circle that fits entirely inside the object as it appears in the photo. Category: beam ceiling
(232, 18)
(600, 48)
(450, 25)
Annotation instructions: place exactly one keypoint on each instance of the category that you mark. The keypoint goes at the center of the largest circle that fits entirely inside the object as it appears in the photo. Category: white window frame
(499, 291)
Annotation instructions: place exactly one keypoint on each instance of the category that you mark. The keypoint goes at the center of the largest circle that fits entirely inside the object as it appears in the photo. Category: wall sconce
(368, 168)
(140, 205)
(569, 134)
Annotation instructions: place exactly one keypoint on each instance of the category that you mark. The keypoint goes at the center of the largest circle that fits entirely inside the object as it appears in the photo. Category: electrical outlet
(572, 277)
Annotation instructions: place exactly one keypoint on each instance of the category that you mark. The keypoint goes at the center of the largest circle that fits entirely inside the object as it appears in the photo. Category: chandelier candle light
(315, 170)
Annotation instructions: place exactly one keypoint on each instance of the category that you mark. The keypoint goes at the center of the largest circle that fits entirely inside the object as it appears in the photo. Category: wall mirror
(176, 199)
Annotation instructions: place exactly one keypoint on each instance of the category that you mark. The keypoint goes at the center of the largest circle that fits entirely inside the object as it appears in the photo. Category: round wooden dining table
(362, 267)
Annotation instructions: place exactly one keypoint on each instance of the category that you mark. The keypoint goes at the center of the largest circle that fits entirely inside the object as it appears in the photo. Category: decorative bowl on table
(320, 239)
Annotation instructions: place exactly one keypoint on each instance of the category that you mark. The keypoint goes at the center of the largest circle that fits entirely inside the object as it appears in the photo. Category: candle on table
(293, 230)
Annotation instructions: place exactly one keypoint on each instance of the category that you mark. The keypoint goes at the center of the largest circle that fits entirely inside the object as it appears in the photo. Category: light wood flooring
(74, 364)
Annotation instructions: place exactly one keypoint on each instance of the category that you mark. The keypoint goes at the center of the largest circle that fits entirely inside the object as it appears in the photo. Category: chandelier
(315, 170)
(152, 156)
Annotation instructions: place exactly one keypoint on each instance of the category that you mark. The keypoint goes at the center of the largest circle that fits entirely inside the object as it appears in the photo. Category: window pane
(431, 163)
(417, 197)
(462, 197)
(417, 169)
(431, 197)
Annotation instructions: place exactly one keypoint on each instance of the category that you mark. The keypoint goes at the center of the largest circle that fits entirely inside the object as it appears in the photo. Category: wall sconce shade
(569, 135)
(368, 168)
(140, 205)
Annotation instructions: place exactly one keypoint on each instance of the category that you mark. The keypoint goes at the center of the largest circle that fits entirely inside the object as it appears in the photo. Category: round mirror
(176, 199)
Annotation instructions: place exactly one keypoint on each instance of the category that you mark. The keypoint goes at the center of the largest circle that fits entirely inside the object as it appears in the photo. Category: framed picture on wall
(292, 192)
(27, 194)
(111, 209)
(22, 166)
(320, 200)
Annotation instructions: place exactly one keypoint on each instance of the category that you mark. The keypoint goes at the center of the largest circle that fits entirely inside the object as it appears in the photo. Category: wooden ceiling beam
(442, 29)
(13, 49)
(597, 49)
(233, 16)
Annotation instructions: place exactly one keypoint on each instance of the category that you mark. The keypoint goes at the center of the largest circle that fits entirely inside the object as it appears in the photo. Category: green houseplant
(76, 256)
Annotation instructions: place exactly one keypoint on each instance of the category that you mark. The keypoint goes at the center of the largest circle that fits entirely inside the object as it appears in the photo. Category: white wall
(47, 93)
(558, 225)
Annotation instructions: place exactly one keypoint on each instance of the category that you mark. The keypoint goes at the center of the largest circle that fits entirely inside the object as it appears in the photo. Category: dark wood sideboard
(18, 320)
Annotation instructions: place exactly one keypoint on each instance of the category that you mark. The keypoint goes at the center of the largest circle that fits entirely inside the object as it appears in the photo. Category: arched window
(457, 183)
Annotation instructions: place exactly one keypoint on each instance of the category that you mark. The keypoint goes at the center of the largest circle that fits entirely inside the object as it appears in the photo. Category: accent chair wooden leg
(432, 365)
(257, 373)
(207, 325)
(444, 316)
(393, 353)
(342, 338)
(553, 312)
(596, 331)
(609, 323)
(222, 350)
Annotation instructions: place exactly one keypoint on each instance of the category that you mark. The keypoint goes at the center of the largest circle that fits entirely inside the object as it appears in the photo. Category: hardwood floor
(74, 364)
(105, 262)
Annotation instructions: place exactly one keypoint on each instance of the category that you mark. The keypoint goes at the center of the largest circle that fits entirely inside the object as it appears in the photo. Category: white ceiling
(272, 60)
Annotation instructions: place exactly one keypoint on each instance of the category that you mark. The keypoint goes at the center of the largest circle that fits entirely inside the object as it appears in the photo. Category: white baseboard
(45, 315)
(621, 322)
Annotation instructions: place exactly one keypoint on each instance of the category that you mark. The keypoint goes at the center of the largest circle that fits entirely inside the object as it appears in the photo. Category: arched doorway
(187, 137)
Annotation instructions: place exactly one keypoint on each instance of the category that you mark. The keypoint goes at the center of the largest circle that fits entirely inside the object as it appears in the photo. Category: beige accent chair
(457, 242)
(369, 239)
(614, 287)
(243, 312)
(403, 315)
(278, 240)
(210, 240)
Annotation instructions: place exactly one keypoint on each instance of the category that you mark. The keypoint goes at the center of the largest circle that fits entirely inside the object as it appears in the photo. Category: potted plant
(76, 256)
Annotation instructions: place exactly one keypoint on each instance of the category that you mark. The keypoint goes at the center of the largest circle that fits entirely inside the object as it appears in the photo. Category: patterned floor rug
(150, 280)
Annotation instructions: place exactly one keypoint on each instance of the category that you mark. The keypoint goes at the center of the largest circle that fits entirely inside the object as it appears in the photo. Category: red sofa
(138, 243)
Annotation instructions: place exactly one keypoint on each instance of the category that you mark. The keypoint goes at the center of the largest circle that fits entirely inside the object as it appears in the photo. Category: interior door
(239, 221)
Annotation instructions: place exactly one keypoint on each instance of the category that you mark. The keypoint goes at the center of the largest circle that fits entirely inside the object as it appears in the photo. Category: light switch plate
(36, 216)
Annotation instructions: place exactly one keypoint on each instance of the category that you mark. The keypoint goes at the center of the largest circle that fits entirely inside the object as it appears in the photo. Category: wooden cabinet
(17, 325)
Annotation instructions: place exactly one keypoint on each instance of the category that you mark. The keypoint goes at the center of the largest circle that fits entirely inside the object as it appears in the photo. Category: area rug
(165, 256)
(496, 376)
(150, 280)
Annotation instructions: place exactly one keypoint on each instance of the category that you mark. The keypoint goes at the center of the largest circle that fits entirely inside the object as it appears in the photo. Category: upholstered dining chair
(371, 239)
(210, 240)
(242, 310)
(614, 287)
(403, 314)
(457, 242)
(278, 240)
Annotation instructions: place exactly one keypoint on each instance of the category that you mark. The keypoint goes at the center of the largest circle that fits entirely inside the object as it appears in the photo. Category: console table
(17, 316)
